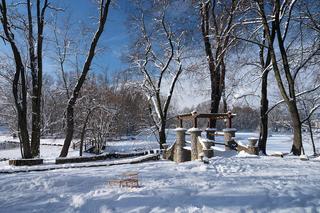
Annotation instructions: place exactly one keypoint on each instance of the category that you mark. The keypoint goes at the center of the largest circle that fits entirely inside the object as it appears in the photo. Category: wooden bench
(129, 179)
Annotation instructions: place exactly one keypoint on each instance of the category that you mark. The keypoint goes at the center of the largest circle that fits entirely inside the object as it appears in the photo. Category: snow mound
(304, 157)
(243, 154)
(317, 158)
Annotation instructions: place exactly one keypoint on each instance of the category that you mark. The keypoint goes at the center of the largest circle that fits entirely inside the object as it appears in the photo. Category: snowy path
(265, 184)
(52, 166)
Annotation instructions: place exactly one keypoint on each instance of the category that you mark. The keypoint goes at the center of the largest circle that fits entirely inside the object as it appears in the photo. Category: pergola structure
(202, 147)
(194, 116)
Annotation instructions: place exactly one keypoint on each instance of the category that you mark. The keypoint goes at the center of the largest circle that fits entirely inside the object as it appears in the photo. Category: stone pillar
(179, 152)
(229, 134)
(252, 142)
(195, 132)
(210, 133)
(206, 147)
(252, 146)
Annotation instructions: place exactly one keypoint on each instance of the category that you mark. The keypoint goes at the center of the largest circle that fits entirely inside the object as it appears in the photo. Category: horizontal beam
(217, 116)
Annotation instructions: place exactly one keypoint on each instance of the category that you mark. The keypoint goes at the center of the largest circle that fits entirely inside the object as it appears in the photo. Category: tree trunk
(35, 138)
(162, 134)
(215, 102)
(264, 105)
(83, 131)
(290, 96)
(296, 124)
(36, 123)
(264, 102)
(69, 129)
(21, 103)
(22, 119)
(216, 64)
(82, 139)
(36, 72)
(311, 137)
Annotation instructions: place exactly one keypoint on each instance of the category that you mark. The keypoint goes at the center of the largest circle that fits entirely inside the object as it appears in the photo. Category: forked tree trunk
(37, 82)
(290, 95)
(215, 61)
(264, 102)
(214, 75)
(36, 72)
(19, 88)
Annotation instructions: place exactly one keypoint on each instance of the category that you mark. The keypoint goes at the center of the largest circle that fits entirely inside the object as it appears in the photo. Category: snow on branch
(297, 95)
(311, 113)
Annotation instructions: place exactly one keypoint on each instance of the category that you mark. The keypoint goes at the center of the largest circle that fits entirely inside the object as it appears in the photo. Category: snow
(229, 130)
(230, 182)
(243, 154)
(194, 130)
(304, 157)
(187, 147)
(242, 144)
(205, 140)
(253, 138)
(224, 185)
(180, 129)
(211, 129)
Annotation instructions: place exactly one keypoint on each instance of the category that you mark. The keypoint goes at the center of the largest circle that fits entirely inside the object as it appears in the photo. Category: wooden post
(229, 119)
(195, 122)
(180, 121)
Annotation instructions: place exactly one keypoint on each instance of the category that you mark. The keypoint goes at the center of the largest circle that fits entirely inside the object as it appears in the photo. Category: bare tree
(282, 14)
(35, 54)
(104, 8)
(254, 35)
(19, 99)
(158, 59)
(217, 26)
(19, 86)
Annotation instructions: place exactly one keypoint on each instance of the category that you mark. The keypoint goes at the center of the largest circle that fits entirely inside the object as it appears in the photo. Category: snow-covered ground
(265, 184)
(237, 183)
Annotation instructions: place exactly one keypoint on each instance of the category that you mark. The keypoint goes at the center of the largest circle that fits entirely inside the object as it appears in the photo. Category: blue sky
(115, 36)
